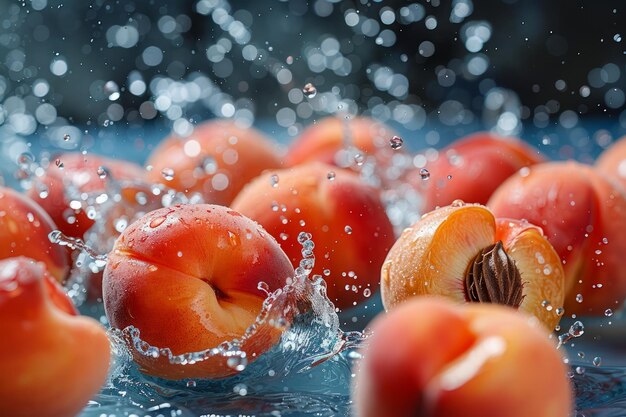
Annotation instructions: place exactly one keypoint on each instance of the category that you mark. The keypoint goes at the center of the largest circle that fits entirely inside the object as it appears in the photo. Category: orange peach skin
(583, 215)
(237, 155)
(431, 358)
(323, 207)
(79, 171)
(433, 256)
(322, 140)
(187, 277)
(24, 229)
(477, 164)
(612, 162)
(51, 359)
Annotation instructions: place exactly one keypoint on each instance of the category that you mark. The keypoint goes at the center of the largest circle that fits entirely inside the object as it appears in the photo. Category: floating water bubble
(168, 174)
(309, 90)
(396, 142)
(597, 361)
(608, 312)
(424, 174)
(348, 229)
(331, 175)
(274, 180)
(579, 298)
(66, 137)
(102, 172)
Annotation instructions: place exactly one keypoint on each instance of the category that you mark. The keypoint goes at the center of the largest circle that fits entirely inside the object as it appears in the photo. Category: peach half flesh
(464, 253)
(187, 277)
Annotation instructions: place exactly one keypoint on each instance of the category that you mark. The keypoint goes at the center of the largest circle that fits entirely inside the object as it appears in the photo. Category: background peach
(612, 162)
(583, 215)
(350, 228)
(24, 229)
(216, 160)
(322, 140)
(471, 168)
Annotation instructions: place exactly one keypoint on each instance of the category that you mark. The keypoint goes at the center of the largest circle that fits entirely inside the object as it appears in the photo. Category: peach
(217, 160)
(80, 173)
(322, 140)
(612, 162)
(583, 215)
(24, 229)
(432, 358)
(471, 168)
(464, 253)
(188, 278)
(346, 218)
(51, 359)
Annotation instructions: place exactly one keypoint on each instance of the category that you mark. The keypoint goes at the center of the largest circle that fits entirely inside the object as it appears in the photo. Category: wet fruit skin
(471, 168)
(187, 277)
(81, 172)
(345, 216)
(52, 360)
(216, 160)
(433, 256)
(24, 229)
(612, 162)
(432, 358)
(583, 215)
(322, 140)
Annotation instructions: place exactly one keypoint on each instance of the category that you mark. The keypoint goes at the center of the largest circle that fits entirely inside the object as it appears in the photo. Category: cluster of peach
(187, 276)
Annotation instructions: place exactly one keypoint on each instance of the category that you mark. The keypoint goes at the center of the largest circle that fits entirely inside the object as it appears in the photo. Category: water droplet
(262, 286)
(358, 159)
(458, 203)
(424, 174)
(309, 90)
(577, 329)
(617, 37)
(274, 180)
(449, 177)
(331, 175)
(237, 362)
(66, 137)
(102, 172)
(209, 165)
(396, 142)
(191, 384)
(167, 173)
(367, 293)
(579, 298)
(608, 312)
(240, 389)
(348, 230)
(597, 361)
(580, 370)
(58, 163)
(157, 222)
(24, 159)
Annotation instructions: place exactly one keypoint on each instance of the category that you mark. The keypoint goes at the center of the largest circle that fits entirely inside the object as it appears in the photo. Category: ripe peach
(464, 253)
(79, 172)
(187, 277)
(432, 358)
(612, 162)
(350, 228)
(51, 359)
(24, 229)
(217, 160)
(322, 140)
(471, 168)
(583, 215)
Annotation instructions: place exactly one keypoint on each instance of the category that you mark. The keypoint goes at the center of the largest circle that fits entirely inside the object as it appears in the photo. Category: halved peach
(52, 360)
(432, 358)
(462, 252)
